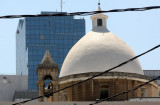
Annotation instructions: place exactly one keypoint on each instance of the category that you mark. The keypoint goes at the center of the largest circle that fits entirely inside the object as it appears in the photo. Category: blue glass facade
(59, 33)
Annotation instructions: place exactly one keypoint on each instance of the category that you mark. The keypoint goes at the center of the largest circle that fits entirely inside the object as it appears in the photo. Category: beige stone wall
(90, 90)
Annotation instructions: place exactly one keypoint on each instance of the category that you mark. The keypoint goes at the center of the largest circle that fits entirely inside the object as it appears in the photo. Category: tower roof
(47, 59)
(47, 62)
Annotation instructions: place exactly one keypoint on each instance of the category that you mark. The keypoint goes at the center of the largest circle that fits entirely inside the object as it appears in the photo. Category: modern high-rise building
(34, 34)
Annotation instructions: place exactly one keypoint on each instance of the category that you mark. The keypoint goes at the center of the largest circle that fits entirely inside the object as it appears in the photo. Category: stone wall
(114, 83)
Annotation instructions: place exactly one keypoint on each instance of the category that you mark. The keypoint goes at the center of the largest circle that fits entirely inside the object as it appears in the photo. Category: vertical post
(92, 90)
(115, 82)
(55, 87)
(126, 89)
(40, 85)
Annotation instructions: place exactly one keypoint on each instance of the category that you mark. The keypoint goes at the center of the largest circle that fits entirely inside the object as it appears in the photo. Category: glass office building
(34, 34)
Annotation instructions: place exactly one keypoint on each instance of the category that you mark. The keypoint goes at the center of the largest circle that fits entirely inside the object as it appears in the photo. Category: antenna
(61, 5)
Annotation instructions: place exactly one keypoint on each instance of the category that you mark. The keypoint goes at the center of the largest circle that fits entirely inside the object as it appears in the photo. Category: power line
(93, 75)
(128, 91)
(81, 13)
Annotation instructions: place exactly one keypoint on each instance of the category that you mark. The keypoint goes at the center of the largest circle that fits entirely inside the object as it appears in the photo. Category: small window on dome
(99, 22)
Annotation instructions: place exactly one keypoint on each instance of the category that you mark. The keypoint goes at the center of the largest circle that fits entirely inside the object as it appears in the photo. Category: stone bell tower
(47, 70)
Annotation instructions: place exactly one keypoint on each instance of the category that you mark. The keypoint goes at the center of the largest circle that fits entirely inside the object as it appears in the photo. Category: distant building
(153, 74)
(34, 34)
(10, 84)
(20, 96)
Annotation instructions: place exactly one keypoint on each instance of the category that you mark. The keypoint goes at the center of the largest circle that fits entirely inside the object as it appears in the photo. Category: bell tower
(47, 71)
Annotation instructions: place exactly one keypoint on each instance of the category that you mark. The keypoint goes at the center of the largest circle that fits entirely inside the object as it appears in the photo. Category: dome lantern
(99, 20)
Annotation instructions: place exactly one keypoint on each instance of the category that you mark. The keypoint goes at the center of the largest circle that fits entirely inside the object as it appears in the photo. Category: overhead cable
(81, 13)
(96, 75)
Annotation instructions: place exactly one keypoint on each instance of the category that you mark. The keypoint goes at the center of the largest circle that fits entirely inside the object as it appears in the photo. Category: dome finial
(99, 7)
(99, 3)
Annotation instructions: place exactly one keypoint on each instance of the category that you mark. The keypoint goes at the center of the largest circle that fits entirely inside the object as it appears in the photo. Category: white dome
(98, 51)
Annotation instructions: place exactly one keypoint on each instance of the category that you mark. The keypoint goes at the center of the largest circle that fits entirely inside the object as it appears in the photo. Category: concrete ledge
(87, 103)
(118, 74)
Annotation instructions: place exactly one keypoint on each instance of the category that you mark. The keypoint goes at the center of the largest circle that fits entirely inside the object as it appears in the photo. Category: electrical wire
(96, 75)
(124, 92)
(81, 13)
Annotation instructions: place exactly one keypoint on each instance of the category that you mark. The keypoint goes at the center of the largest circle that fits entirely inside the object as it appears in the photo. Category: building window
(99, 22)
(104, 91)
(41, 36)
(17, 32)
(144, 92)
(5, 80)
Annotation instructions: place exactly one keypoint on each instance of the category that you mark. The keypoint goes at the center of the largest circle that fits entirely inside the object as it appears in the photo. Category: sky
(140, 30)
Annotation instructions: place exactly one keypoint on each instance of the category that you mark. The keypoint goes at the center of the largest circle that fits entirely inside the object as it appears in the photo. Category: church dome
(98, 51)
